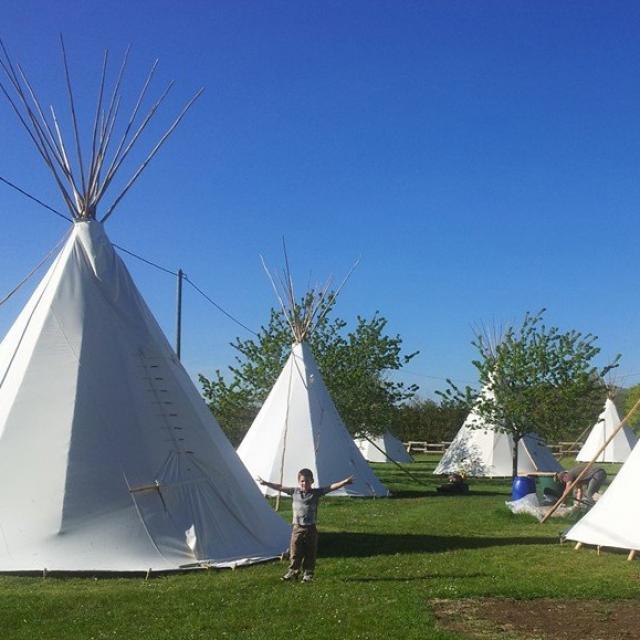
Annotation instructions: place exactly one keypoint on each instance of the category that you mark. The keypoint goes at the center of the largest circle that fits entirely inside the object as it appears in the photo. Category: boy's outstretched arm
(338, 485)
(272, 485)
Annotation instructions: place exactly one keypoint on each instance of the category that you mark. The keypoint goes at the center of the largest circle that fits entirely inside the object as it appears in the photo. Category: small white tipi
(480, 450)
(383, 448)
(109, 458)
(299, 426)
(618, 449)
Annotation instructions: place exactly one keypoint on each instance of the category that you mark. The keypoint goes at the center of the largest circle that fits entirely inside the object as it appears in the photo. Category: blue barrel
(522, 486)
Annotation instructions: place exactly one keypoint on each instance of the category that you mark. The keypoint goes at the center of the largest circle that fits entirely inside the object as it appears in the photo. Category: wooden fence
(564, 449)
(560, 449)
(416, 446)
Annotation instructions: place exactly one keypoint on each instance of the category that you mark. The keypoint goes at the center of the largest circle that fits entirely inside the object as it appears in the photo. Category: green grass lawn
(380, 563)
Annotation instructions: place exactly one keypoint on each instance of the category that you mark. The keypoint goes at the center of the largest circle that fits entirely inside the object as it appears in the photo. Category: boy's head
(305, 479)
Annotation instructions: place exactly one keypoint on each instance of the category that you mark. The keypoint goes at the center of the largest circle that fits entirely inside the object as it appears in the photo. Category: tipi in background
(618, 449)
(383, 448)
(479, 450)
(299, 426)
(109, 458)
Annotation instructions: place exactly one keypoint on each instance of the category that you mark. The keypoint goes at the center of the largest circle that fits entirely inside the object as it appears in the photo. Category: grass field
(382, 564)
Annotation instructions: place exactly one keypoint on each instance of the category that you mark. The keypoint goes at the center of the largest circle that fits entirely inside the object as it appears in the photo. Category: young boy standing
(304, 536)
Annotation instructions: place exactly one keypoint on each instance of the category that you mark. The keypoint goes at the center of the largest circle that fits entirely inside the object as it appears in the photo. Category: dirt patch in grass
(541, 619)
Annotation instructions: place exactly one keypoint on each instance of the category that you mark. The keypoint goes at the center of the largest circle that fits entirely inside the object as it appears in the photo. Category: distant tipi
(618, 449)
(479, 449)
(109, 458)
(383, 448)
(298, 425)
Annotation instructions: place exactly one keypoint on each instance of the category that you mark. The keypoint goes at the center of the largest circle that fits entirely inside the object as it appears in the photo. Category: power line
(186, 278)
(28, 195)
(130, 253)
(152, 264)
(175, 273)
(217, 306)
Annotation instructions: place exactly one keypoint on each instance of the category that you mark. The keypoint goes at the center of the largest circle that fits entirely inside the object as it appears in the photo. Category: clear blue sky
(482, 158)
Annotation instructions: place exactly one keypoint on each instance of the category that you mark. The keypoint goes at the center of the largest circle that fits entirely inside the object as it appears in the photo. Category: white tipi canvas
(483, 451)
(109, 458)
(614, 521)
(618, 449)
(383, 448)
(299, 427)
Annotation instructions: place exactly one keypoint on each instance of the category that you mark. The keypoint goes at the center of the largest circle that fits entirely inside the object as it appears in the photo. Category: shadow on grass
(360, 545)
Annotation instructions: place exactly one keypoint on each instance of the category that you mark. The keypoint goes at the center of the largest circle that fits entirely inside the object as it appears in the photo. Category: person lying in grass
(304, 536)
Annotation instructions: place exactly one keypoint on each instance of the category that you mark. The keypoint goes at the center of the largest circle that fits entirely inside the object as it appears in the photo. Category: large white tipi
(480, 450)
(618, 449)
(614, 521)
(383, 448)
(299, 426)
(109, 458)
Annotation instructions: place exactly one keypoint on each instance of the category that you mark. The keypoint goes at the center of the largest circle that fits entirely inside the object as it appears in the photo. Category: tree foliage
(428, 421)
(355, 366)
(631, 396)
(536, 379)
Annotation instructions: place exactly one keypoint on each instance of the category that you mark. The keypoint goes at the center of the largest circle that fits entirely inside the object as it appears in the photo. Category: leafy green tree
(536, 379)
(355, 366)
(631, 396)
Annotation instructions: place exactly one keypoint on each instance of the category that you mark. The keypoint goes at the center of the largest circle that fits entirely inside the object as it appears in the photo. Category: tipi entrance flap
(160, 510)
(184, 511)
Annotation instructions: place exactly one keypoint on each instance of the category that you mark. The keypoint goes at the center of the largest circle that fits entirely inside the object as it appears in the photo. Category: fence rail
(416, 446)
(562, 449)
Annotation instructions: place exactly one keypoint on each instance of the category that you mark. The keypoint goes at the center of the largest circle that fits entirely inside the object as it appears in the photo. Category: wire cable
(218, 307)
(28, 195)
(152, 264)
(186, 279)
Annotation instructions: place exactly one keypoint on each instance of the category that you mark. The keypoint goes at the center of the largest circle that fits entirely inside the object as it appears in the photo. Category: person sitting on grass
(304, 536)
(456, 484)
(594, 478)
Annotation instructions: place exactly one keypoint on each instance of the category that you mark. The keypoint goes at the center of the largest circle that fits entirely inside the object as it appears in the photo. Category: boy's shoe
(290, 575)
(307, 577)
